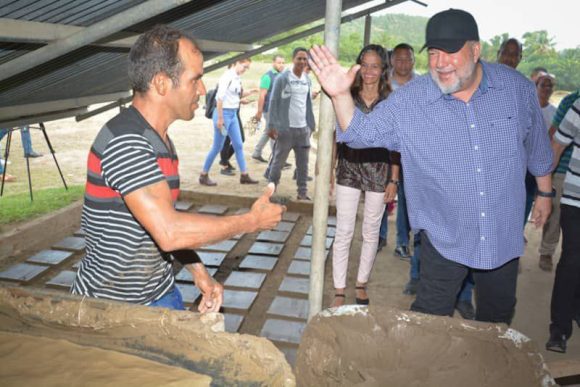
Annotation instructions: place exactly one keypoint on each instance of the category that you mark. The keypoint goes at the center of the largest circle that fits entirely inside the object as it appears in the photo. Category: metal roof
(97, 72)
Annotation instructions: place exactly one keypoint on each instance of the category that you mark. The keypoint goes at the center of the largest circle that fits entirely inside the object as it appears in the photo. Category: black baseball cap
(449, 30)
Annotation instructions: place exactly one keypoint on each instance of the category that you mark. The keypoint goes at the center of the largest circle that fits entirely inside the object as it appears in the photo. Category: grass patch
(18, 207)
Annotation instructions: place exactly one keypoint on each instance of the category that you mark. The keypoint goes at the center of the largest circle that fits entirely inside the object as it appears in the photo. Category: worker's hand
(212, 293)
(266, 214)
(541, 211)
(273, 134)
(334, 79)
(258, 116)
(390, 192)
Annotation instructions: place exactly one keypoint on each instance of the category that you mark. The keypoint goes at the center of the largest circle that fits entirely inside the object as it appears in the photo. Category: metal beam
(323, 161)
(87, 36)
(300, 35)
(103, 109)
(13, 112)
(368, 25)
(35, 119)
(24, 31)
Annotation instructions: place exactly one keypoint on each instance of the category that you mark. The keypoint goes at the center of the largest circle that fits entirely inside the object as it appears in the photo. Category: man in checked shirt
(466, 132)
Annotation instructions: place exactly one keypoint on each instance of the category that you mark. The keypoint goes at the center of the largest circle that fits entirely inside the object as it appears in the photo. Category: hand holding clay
(334, 79)
(267, 214)
(212, 294)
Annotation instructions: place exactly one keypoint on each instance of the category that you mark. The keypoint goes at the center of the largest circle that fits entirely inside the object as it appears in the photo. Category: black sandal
(362, 301)
(339, 296)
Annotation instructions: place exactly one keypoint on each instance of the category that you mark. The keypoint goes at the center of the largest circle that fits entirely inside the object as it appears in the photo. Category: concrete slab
(233, 322)
(299, 268)
(80, 233)
(273, 236)
(50, 257)
(258, 262)
(307, 241)
(291, 216)
(238, 299)
(305, 253)
(289, 307)
(64, 279)
(224, 246)
(331, 221)
(295, 285)
(210, 258)
(183, 205)
(284, 226)
(190, 293)
(240, 279)
(264, 248)
(185, 276)
(241, 211)
(284, 331)
(330, 231)
(23, 272)
(214, 209)
(70, 243)
(289, 353)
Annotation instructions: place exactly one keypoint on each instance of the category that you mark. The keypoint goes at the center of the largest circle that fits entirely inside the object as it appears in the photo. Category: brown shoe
(545, 262)
(205, 180)
(246, 179)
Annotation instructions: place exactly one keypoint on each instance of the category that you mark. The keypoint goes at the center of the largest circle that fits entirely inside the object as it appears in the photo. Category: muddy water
(39, 361)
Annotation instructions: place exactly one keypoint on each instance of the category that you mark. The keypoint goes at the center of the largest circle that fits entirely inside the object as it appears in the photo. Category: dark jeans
(228, 149)
(565, 300)
(441, 280)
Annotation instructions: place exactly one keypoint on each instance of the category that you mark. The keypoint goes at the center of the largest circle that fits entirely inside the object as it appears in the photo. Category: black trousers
(565, 295)
(441, 281)
(228, 150)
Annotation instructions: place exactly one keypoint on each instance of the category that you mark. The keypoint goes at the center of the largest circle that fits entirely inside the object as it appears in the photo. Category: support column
(323, 159)
(368, 24)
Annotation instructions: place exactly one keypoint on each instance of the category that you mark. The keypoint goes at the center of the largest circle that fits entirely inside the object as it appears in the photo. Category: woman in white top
(226, 122)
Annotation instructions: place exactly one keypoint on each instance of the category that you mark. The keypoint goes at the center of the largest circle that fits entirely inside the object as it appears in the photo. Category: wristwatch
(395, 182)
(551, 194)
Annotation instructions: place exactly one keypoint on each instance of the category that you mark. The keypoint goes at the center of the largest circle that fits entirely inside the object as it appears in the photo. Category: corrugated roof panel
(97, 70)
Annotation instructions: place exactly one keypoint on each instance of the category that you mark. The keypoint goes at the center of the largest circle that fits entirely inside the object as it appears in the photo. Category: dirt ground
(71, 141)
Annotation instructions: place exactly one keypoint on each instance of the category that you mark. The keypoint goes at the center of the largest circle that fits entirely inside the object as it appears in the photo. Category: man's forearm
(544, 183)
(344, 109)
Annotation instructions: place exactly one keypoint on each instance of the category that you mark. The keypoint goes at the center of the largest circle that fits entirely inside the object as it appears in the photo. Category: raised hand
(334, 79)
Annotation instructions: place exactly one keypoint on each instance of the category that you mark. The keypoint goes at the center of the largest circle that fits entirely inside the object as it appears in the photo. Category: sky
(494, 17)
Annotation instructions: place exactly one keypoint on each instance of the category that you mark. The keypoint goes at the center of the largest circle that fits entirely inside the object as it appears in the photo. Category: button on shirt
(465, 163)
(298, 87)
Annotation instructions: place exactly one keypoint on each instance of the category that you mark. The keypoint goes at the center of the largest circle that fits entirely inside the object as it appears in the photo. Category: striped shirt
(563, 108)
(122, 261)
(569, 133)
(464, 163)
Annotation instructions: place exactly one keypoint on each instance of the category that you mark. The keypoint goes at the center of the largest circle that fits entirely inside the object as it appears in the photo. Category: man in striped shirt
(132, 230)
(565, 305)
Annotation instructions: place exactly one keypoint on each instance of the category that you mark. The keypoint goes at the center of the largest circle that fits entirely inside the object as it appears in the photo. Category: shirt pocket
(503, 138)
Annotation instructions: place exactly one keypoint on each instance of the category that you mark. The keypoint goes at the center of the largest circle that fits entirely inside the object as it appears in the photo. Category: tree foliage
(392, 29)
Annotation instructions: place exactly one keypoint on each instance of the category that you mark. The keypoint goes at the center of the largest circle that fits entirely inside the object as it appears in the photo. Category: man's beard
(459, 82)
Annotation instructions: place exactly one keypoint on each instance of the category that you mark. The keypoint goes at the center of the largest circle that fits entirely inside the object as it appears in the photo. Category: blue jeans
(403, 228)
(466, 292)
(26, 140)
(234, 133)
(172, 300)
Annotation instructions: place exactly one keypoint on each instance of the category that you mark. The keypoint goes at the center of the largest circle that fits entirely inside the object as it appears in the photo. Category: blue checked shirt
(464, 163)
